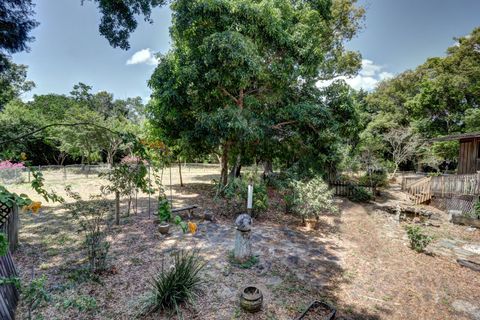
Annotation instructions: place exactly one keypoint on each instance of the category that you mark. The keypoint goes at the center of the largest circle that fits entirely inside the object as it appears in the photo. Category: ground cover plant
(418, 239)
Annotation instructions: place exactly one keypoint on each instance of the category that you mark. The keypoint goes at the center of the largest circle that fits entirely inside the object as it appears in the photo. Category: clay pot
(163, 228)
(251, 299)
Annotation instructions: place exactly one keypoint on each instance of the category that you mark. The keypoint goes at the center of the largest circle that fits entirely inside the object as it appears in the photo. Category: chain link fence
(187, 172)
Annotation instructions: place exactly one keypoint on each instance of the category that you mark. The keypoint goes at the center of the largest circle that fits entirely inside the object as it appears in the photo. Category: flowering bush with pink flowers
(132, 160)
(11, 172)
(6, 164)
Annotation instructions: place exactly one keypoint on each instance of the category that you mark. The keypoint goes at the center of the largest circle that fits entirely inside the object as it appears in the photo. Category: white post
(250, 197)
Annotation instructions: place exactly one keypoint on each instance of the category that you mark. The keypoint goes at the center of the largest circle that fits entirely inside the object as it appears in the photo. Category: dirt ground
(359, 261)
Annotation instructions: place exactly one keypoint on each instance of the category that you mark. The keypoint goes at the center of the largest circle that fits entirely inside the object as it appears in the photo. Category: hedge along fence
(9, 294)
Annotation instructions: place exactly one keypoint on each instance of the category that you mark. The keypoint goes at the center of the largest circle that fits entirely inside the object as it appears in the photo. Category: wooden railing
(448, 185)
(452, 185)
(420, 190)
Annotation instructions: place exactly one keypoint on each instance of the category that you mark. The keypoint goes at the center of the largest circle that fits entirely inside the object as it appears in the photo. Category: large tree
(229, 82)
(439, 97)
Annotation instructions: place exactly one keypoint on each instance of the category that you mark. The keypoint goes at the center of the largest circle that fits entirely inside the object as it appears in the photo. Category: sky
(397, 35)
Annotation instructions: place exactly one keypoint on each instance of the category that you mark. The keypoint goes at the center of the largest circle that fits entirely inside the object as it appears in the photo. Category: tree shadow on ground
(295, 266)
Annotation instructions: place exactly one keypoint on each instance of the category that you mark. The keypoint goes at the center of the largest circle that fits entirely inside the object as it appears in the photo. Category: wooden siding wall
(468, 161)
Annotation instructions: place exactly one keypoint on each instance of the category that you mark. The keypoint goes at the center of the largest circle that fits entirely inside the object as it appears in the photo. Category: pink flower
(6, 164)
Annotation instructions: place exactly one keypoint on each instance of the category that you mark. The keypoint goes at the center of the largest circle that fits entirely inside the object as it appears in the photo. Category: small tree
(403, 144)
(92, 218)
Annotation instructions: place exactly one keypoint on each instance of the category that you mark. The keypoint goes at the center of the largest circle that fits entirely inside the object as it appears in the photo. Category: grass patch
(250, 263)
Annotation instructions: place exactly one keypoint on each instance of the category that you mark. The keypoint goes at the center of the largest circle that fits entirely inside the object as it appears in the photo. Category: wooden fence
(449, 185)
(9, 294)
(420, 190)
(346, 188)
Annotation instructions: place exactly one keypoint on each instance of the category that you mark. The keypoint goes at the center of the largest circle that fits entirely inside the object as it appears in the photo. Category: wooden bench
(189, 209)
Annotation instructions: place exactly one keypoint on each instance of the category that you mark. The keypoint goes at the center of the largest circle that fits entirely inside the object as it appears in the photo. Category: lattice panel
(4, 213)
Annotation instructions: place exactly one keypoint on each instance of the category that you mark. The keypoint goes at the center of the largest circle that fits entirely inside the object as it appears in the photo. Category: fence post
(478, 182)
(149, 187)
(13, 225)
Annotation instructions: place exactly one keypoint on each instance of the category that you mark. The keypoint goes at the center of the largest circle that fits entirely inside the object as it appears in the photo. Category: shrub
(92, 218)
(176, 285)
(313, 198)
(11, 172)
(476, 211)
(35, 294)
(377, 179)
(359, 194)
(164, 211)
(418, 240)
(236, 191)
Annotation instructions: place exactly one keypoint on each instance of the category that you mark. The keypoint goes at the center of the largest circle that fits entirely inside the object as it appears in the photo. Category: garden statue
(243, 246)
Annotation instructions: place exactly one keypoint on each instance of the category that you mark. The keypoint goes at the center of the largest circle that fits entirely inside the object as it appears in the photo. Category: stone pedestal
(243, 245)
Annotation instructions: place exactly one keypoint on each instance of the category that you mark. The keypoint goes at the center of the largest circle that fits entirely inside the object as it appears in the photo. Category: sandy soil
(359, 261)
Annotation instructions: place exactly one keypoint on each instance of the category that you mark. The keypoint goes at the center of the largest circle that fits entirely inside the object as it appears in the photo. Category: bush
(476, 211)
(377, 179)
(176, 285)
(35, 294)
(164, 211)
(418, 240)
(236, 191)
(312, 198)
(359, 194)
(92, 218)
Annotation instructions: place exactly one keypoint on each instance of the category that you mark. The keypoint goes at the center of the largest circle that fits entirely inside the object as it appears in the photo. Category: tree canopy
(242, 75)
(440, 97)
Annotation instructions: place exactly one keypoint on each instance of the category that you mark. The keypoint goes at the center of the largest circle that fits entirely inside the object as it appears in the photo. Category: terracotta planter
(164, 228)
(251, 299)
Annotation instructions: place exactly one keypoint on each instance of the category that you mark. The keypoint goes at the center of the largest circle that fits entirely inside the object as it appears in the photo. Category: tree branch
(278, 125)
(228, 94)
(57, 125)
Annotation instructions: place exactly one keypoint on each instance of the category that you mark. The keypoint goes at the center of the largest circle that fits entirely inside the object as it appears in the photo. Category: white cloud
(369, 69)
(146, 56)
(362, 82)
(385, 75)
(367, 78)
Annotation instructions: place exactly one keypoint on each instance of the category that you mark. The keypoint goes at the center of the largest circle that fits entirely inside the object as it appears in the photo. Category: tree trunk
(395, 171)
(267, 168)
(224, 165)
(129, 204)
(235, 171)
(180, 172)
(110, 156)
(117, 208)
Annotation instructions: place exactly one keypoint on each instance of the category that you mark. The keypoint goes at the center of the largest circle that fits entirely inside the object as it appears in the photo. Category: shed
(469, 156)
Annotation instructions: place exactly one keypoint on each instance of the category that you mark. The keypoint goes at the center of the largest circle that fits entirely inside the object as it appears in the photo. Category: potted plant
(164, 214)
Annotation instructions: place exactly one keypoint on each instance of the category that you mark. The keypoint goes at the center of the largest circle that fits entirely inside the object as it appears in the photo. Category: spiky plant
(177, 285)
